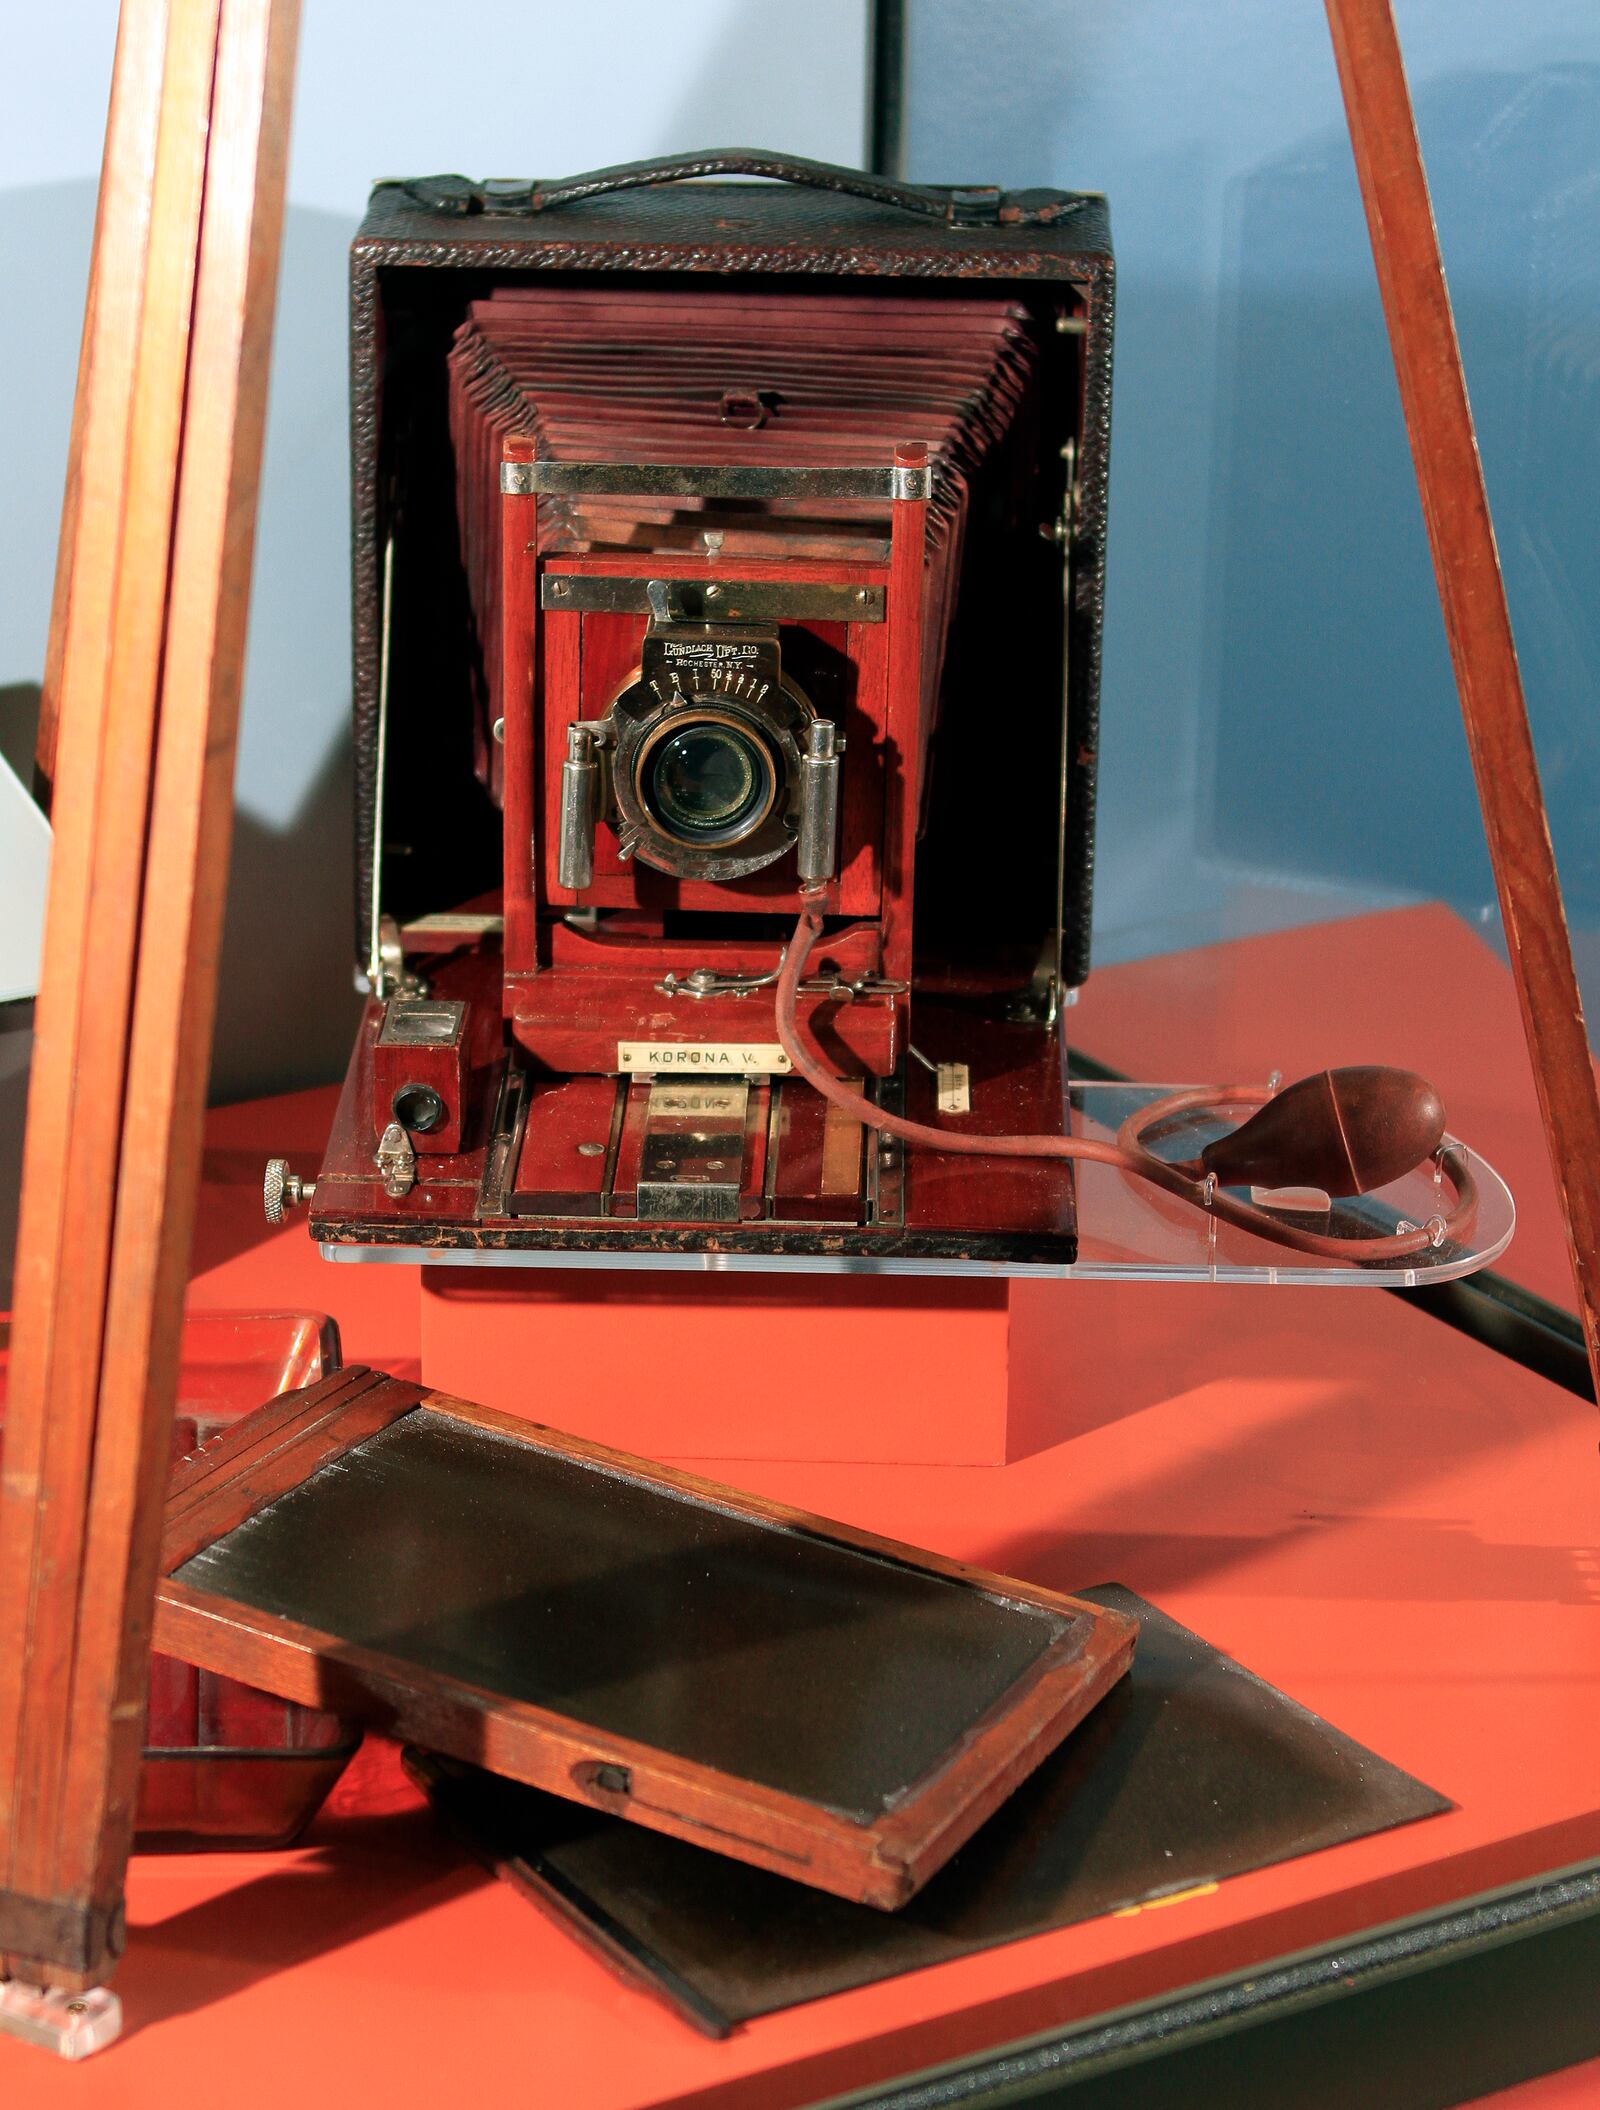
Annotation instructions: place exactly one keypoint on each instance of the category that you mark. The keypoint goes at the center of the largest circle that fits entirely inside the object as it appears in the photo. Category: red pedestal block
(862, 1369)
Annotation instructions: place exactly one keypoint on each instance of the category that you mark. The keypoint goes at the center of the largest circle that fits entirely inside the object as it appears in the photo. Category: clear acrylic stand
(72, 2025)
(1132, 1231)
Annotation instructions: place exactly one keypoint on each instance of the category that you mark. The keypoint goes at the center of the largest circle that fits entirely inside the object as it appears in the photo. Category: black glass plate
(1190, 1771)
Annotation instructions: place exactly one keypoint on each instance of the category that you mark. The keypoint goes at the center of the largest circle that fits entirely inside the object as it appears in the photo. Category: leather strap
(980, 205)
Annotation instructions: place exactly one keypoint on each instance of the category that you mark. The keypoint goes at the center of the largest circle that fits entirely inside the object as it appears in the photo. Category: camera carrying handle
(980, 205)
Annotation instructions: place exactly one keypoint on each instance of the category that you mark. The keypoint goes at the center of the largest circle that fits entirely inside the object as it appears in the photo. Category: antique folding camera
(723, 551)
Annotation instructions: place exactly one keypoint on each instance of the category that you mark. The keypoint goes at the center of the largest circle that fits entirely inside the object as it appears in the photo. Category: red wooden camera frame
(569, 999)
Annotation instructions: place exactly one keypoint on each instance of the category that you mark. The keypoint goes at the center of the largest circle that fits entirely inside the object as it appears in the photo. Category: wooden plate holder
(754, 1659)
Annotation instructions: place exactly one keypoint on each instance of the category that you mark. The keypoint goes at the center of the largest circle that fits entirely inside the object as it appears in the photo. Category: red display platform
(872, 1370)
(1578, 2088)
(1370, 1510)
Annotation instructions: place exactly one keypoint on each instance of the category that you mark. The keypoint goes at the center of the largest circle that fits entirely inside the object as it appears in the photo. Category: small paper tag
(953, 1083)
(1304, 1201)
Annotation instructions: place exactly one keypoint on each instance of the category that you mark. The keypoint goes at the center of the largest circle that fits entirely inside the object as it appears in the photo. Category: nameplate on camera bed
(702, 1058)
(788, 1691)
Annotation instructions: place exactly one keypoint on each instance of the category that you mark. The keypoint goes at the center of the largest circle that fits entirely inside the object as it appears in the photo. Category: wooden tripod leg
(185, 883)
(133, 372)
(151, 604)
(1455, 505)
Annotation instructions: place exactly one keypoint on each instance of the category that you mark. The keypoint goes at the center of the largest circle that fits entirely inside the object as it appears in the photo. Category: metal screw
(77, 2007)
(713, 592)
(558, 589)
(282, 1189)
(499, 731)
(591, 1150)
(862, 594)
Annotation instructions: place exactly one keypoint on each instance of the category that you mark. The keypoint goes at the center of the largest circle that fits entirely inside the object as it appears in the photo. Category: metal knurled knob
(281, 1189)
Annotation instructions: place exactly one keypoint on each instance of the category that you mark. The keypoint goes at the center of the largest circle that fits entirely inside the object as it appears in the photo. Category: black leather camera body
(724, 550)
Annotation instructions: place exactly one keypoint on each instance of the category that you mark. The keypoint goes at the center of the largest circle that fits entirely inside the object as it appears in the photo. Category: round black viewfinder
(709, 783)
(419, 1108)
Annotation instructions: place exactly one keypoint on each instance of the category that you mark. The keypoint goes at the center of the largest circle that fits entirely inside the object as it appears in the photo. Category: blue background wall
(1282, 739)
(400, 89)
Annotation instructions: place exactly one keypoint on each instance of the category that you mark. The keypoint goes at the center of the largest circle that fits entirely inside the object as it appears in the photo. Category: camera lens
(709, 783)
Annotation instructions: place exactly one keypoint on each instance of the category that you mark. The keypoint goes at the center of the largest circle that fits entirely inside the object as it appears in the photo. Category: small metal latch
(282, 1189)
(397, 1161)
(388, 974)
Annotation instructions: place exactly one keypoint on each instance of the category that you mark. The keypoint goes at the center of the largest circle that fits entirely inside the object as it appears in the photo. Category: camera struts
(1346, 1131)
